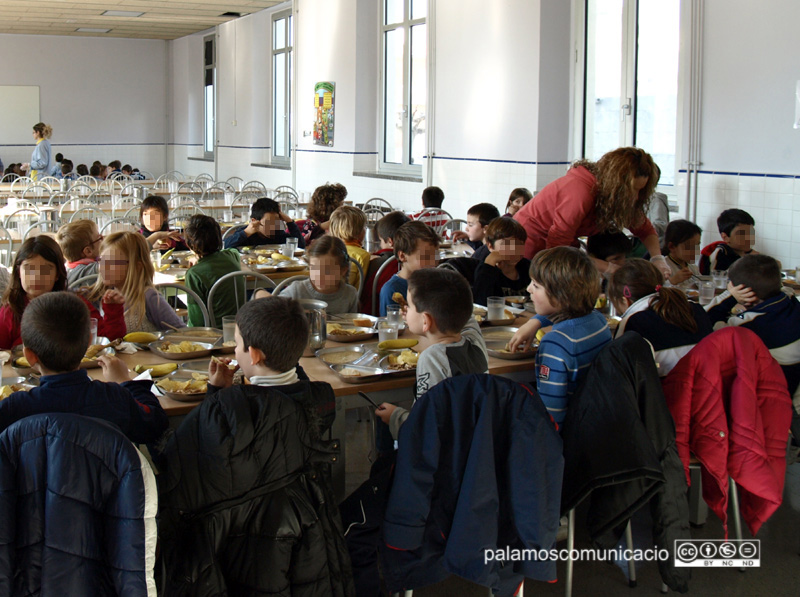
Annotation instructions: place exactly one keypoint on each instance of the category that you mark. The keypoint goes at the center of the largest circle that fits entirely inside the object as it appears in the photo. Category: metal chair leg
(737, 521)
(631, 561)
(570, 546)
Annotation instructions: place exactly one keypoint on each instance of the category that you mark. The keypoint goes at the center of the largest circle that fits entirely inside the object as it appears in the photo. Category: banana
(401, 343)
(22, 362)
(167, 254)
(279, 257)
(157, 370)
(140, 337)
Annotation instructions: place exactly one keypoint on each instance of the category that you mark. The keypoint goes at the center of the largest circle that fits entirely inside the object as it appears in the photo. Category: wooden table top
(314, 368)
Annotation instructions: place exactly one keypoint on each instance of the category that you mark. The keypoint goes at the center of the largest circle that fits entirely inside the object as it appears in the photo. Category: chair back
(286, 282)
(169, 290)
(120, 225)
(237, 282)
(84, 281)
(436, 218)
(6, 247)
(376, 291)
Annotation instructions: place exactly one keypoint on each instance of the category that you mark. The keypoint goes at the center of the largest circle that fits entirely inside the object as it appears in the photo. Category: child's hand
(525, 336)
(114, 370)
(494, 258)
(680, 276)
(112, 296)
(284, 217)
(161, 244)
(384, 411)
(261, 293)
(253, 227)
(460, 235)
(743, 295)
(219, 374)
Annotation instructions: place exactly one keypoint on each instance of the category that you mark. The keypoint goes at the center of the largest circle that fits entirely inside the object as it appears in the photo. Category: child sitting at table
(350, 224)
(55, 332)
(681, 241)
(154, 216)
(325, 199)
(451, 343)
(247, 472)
(38, 268)
(204, 237)
(328, 265)
(504, 272)
(268, 225)
(385, 228)
(478, 218)
(80, 243)
(415, 247)
(608, 250)
(737, 229)
(126, 267)
(663, 316)
(564, 288)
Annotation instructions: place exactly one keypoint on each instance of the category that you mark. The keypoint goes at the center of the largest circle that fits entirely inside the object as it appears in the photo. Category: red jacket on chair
(731, 376)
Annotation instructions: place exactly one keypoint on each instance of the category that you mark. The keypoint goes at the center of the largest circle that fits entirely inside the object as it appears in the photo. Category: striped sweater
(564, 356)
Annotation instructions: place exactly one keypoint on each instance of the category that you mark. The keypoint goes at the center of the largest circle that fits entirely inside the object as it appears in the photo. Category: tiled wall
(772, 200)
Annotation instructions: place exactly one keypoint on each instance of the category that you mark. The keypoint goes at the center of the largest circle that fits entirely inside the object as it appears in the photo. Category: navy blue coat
(479, 468)
(78, 504)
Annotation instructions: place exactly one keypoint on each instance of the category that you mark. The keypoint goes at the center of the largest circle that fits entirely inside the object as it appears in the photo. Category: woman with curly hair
(324, 201)
(593, 197)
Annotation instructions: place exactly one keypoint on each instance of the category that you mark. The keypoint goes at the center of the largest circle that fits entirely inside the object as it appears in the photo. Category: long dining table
(390, 389)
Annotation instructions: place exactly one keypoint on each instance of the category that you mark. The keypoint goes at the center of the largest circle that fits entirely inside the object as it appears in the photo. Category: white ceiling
(164, 19)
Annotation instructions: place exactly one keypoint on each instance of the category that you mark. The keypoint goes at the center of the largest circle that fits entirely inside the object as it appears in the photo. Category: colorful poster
(324, 104)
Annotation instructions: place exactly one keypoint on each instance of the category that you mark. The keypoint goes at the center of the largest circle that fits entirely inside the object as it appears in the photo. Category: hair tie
(658, 287)
(626, 292)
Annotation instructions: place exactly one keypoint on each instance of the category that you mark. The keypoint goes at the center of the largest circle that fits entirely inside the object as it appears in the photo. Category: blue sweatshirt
(564, 356)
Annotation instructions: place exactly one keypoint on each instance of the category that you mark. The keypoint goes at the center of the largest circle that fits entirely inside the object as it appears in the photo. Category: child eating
(80, 243)
(204, 238)
(350, 224)
(478, 218)
(681, 241)
(328, 267)
(564, 288)
(154, 216)
(126, 267)
(737, 229)
(56, 351)
(38, 269)
(662, 316)
(268, 225)
(504, 272)
(415, 247)
(451, 344)
(385, 228)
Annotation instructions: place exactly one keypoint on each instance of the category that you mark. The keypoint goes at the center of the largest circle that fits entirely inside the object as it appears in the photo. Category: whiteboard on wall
(19, 111)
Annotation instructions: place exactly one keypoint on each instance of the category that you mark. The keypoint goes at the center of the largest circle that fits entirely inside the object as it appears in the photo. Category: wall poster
(323, 123)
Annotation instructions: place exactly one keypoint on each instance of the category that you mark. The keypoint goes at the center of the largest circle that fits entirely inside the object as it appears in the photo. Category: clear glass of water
(229, 328)
(92, 331)
(386, 331)
(155, 257)
(720, 277)
(394, 315)
(289, 248)
(496, 306)
(706, 292)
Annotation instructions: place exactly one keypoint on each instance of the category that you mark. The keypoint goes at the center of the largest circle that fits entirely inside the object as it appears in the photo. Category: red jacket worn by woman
(564, 210)
(731, 376)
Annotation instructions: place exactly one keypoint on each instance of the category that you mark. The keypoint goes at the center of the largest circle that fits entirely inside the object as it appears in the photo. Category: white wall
(104, 98)
(747, 140)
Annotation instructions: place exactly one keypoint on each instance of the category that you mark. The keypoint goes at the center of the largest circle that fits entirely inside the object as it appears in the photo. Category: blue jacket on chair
(479, 468)
(78, 504)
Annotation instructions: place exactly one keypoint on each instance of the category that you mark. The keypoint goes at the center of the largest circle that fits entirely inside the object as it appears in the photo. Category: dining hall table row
(391, 388)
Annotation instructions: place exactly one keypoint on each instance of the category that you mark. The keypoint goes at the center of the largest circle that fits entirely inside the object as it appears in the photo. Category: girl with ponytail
(661, 315)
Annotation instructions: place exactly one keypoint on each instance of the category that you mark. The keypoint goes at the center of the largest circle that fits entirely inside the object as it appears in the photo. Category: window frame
(288, 50)
(209, 155)
(406, 167)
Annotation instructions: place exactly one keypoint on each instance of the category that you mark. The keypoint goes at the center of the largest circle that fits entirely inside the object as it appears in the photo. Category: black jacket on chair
(619, 450)
(246, 503)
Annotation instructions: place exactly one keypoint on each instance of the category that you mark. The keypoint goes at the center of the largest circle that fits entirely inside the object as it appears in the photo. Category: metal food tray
(365, 334)
(181, 375)
(497, 350)
(155, 348)
(349, 317)
(373, 365)
(194, 334)
(360, 350)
